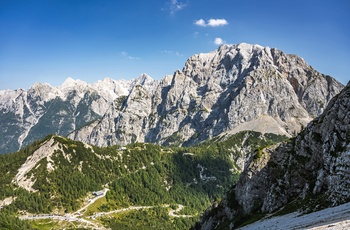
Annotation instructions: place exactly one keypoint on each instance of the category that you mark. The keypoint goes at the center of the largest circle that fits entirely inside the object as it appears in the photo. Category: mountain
(115, 175)
(54, 178)
(310, 172)
(234, 88)
(29, 115)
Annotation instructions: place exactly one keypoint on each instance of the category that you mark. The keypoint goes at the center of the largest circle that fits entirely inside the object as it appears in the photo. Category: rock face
(314, 167)
(234, 88)
(29, 115)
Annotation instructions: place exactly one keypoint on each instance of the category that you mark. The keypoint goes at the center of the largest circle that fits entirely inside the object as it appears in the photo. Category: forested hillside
(60, 180)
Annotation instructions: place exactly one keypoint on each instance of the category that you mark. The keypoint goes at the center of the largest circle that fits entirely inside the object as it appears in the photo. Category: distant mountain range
(29, 115)
(234, 88)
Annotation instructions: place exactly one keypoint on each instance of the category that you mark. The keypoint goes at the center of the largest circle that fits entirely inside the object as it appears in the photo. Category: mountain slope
(56, 176)
(234, 88)
(311, 171)
(29, 115)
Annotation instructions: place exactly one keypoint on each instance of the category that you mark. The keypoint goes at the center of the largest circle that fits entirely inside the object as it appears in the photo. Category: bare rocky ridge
(234, 88)
(45, 151)
(312, 169)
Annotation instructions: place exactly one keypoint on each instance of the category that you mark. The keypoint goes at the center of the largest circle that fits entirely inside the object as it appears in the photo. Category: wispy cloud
(211, 22)
(175, 6)
(219, 41)
(126, 55)
(172, 53)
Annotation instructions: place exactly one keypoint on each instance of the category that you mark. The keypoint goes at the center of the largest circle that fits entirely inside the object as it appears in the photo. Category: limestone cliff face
(314, 166)
(234, 88)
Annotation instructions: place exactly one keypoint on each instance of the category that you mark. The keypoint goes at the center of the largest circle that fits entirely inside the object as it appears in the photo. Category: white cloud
(217, 22)
(211, 22)
(219, 41)
(200, 22)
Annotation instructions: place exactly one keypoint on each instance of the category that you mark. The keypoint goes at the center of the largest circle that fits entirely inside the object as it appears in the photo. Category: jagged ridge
(234, 88)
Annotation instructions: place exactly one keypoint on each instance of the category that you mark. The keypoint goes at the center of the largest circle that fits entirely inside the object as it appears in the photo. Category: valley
(241, 133)
(180, 182)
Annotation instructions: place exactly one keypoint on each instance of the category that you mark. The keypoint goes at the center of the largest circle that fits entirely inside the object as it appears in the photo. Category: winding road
(120, 210)
(172, 212)
(70, 218)
(89, 221)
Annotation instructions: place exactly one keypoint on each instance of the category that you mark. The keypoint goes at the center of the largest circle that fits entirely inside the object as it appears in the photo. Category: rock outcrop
(310, 171)
(234, 88)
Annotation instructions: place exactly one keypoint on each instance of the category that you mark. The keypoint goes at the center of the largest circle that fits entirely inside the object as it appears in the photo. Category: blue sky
(51, 40)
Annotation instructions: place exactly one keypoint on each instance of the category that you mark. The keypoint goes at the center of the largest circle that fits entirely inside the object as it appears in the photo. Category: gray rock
(234, 88)
(29, 115)
(314, 166)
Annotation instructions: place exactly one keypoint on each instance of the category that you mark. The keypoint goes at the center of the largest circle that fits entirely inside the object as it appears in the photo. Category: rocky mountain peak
(70, 85)
(70, 82)
(146, 81)
(234, 88)
(40, 85)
